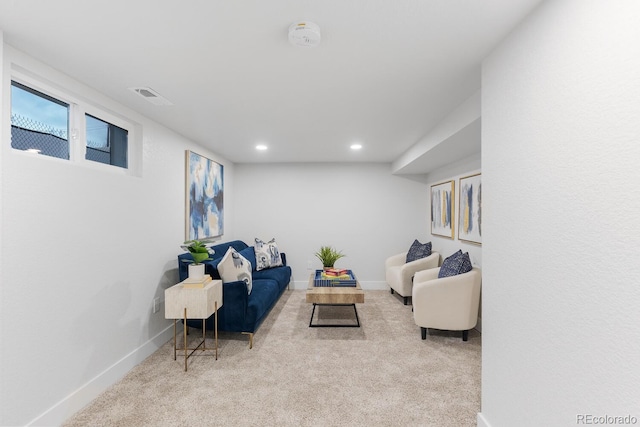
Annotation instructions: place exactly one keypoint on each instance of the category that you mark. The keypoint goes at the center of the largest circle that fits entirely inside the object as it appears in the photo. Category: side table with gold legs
(193, 303)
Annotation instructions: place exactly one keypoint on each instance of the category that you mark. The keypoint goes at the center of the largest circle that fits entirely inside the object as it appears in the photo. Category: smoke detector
(305, 34)
(151, 95)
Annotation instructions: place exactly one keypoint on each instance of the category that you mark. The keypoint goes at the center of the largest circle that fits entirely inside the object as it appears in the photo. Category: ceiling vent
(305, 34)
(151, 95)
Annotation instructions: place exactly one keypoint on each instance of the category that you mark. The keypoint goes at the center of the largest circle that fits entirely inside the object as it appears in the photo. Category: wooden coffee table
(339, 295)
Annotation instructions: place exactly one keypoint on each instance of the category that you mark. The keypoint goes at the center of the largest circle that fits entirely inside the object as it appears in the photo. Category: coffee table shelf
(334, 296)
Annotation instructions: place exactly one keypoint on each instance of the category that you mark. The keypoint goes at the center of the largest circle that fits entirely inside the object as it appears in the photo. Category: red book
(335, 271)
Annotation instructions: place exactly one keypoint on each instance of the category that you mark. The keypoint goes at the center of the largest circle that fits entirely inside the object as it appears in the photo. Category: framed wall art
(204, 197)
(442, 209)
(470, 209)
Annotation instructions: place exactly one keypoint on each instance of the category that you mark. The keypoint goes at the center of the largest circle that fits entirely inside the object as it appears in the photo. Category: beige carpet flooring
(381, 374)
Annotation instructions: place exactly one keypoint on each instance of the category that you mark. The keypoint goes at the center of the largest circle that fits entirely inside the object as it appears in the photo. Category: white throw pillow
(267, 254)
(234, 267)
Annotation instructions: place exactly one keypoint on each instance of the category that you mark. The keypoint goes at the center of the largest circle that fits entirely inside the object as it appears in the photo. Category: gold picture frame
(470, 209)
(443, 209)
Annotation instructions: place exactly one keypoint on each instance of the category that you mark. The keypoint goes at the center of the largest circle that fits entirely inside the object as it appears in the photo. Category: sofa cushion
(418, 250)
(267, 254)
(455, 264)
(250, 255)
(282, 275)
(234, 267)
(263, 297)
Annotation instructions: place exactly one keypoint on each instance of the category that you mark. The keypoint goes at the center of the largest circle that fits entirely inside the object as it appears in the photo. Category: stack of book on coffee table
(333, 277)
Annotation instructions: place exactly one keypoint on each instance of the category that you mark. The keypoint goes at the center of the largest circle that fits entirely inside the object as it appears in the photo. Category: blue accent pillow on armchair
(466, 263)
(418, 250)
(455, 264)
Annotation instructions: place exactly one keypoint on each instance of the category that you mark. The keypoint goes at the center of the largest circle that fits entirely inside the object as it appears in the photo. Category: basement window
(48, 121)
(39, 122)
(106, 142)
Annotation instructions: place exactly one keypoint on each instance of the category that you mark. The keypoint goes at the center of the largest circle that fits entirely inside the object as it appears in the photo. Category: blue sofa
(241, 312)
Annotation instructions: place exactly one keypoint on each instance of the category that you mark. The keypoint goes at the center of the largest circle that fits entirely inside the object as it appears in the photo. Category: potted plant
(328, 256)
(199, 252)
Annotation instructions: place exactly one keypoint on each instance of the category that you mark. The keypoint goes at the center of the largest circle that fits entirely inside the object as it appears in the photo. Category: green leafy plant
(328, 256)
(199, 250)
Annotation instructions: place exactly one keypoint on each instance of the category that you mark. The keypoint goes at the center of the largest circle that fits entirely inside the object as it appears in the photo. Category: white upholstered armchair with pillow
(399, 273)
(449, 303)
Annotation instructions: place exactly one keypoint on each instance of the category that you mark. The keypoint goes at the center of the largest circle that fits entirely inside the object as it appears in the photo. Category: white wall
(560, 161)
(360, 209)
(84, 252)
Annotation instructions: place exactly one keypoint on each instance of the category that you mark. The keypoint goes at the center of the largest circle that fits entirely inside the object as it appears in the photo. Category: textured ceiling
(384, 74)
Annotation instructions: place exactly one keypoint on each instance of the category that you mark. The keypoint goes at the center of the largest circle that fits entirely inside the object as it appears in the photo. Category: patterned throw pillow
(418, 250)
(466, 263)
(451, 265)
(267, 254)
(234, 267)
(455, 264)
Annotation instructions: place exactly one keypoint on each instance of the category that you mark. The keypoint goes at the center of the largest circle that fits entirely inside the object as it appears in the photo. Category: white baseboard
(366, 285)
(482, 421)
(63, 410)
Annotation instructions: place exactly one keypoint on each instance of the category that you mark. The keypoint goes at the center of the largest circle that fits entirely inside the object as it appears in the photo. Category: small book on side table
(196, 283)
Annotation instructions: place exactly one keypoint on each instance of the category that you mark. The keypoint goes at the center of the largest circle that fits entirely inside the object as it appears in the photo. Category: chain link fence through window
(28, 134)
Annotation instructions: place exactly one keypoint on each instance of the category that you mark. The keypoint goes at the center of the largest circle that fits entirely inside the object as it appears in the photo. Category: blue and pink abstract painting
(470, 218)
(442, 209)
(205, 194)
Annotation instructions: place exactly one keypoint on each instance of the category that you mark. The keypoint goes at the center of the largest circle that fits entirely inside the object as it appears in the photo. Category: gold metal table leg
(175, 345)
(185, 339)
(215, 319)
(204, 337)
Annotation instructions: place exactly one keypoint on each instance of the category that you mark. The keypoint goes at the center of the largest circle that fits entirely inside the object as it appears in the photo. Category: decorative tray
(322, 280)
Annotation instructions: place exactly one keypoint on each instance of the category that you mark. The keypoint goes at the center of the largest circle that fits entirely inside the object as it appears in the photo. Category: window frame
(108, 118)
(55, 96)
(77, 132)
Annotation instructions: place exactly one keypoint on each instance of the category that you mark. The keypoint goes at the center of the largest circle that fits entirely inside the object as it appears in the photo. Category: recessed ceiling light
(261, 147)
(356, 146)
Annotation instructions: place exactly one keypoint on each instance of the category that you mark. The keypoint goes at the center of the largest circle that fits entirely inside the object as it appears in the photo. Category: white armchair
(399, 273)
(450, 303)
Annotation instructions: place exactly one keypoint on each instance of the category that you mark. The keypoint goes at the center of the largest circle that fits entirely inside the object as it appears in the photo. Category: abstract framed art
(470, 209)
(442, 209)
(204, 197)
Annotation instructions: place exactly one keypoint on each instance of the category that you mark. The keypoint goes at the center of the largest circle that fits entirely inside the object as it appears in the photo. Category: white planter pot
(196, 271)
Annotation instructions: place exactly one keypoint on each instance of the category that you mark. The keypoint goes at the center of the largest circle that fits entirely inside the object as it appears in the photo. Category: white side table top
(199, 302)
